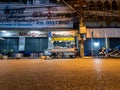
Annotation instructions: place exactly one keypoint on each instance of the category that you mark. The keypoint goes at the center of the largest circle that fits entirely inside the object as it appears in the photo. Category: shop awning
(103, 32)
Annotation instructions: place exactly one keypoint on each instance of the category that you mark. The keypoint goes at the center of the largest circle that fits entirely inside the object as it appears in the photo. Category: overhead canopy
(103, 32)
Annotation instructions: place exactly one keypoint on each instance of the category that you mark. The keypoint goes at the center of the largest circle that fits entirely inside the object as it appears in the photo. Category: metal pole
(81, 46)
(106, 41)
(92, 33)
(8, 45)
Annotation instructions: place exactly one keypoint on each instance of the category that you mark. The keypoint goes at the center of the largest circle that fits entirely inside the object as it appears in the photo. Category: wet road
(76, 74)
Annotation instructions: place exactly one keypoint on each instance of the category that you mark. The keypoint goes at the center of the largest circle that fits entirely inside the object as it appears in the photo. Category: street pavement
(60, 74)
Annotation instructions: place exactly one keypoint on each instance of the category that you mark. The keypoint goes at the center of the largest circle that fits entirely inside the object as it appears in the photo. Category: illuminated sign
(63, 39)
(33, 34)
(63, 33)
(23, 34)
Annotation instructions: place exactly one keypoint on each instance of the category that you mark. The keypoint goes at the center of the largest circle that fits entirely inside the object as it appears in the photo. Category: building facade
(35, 28)
(37, 25)
(102, 21)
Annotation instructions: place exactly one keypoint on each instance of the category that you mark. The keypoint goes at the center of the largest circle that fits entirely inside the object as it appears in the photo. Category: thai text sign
(59, 23)
(35, 17)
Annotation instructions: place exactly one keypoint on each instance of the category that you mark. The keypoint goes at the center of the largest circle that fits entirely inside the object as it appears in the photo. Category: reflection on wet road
(72, 74)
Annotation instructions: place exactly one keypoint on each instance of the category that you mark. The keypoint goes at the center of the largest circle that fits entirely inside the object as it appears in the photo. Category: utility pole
(82, 28)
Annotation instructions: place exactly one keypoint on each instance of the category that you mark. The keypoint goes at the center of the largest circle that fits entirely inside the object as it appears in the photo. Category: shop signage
(63, 39)
(52, 15)
(33, 34)
(35, 17)
(23, 34)
(63, 33)
(12, 11)
(36, 23)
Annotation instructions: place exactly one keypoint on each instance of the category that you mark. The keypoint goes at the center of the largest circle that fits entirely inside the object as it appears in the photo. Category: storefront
(37, 41)
(27, 41)
(63, 39)
(35, 29)
(98, 38)
(62, 44)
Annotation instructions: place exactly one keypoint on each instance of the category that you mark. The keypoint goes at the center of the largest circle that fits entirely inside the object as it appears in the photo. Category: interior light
(2, 38)
(96, 44)
(7, 34)
(34, 31)
(3, 31)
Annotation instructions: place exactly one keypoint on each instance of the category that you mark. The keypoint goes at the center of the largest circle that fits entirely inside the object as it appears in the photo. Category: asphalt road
(76, 74)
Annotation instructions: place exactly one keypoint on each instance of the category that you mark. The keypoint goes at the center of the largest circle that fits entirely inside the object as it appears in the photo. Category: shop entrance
(34, 44)
(61, 44)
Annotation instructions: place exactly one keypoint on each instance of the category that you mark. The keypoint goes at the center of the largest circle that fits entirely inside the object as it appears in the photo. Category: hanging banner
(63, 33)
(12, 16)
(58, 23)
(23, 33)
(21, 43)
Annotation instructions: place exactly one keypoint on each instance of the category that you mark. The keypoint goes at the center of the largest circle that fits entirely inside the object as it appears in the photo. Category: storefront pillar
(79, 45)
(82, 48)
(107, 42)
(82, 32)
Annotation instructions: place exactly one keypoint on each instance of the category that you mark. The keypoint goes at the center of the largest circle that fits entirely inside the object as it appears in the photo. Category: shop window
(63, 44)
(85, 5)
(10, 43)
(92, 5)
(106, 5)
(114, 5)
(99, 5)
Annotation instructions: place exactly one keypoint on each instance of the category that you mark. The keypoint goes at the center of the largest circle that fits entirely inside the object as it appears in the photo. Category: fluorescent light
(2, 38)
(3, 31)
(96, 44)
